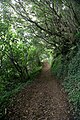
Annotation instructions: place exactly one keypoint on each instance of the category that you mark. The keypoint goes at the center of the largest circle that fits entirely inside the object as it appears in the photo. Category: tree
(55, 22)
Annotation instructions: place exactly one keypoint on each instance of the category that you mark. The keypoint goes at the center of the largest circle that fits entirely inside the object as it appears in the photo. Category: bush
(72, 84)
(60, 67)
(70, 72)
(56, 66)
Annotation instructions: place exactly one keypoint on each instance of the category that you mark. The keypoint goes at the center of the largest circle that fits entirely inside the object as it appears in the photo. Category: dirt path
(44, 99)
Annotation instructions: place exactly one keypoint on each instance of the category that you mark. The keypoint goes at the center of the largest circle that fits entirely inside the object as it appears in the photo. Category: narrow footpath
(44, 99)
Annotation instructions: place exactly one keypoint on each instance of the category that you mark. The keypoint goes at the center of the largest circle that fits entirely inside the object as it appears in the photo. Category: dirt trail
(44, 99)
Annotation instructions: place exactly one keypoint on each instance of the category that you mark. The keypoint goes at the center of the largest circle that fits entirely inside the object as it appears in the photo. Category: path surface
(44, 99)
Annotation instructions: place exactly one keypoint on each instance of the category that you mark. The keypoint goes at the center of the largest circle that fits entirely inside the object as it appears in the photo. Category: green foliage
(70, 72)
(19, 62)
(33, 59)
(56, 66)
(60, 67)
(27, 29)
(72, 84)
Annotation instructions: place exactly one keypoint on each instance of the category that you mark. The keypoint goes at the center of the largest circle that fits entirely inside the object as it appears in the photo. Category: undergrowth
(70, 72)
(7, 94)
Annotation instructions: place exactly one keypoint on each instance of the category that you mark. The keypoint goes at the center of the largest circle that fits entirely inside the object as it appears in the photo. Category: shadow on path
(44, 99)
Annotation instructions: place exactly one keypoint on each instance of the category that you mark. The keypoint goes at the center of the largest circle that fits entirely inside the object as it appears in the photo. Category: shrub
(72, 84)
(70, 72)
(60, 67)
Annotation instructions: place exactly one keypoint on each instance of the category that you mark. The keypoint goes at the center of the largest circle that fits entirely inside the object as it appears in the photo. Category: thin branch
(27, 18)
(75, 16)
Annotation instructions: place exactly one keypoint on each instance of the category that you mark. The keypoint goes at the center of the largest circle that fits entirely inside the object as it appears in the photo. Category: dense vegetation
(69, 71)
(33, 30)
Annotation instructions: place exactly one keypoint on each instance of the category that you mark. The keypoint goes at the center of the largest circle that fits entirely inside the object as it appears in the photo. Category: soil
(44, 99)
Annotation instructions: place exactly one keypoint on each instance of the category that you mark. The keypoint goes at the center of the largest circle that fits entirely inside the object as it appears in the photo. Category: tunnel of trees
(35, 30)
